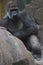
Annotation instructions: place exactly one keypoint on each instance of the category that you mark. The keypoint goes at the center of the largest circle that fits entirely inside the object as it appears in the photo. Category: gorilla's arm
(31, 25)
(26, 32)
(20, 34)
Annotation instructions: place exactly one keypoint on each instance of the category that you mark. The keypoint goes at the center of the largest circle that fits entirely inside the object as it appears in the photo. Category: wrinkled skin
(23, 27)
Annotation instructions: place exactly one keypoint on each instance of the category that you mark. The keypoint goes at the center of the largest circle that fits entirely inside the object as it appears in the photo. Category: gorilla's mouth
(13, 9)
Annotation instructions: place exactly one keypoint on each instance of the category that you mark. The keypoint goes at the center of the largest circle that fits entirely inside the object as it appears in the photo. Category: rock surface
(13, 51)
(35, 8)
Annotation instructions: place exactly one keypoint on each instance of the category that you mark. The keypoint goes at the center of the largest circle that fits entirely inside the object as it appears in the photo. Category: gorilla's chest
(14, 27)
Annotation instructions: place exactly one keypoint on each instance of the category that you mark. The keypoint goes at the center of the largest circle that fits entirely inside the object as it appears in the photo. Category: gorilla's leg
(36, 46)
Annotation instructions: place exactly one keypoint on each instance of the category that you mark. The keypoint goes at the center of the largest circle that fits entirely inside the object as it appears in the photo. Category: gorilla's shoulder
(23, 14)
(3, 21)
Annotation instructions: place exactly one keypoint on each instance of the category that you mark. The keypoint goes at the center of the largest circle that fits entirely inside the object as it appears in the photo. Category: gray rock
(37, 2)
(12, 50)
(35, 8)
(31, 9)
(39, 15)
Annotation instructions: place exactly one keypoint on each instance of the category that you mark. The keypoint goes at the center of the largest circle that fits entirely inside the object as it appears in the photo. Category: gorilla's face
(13, 13)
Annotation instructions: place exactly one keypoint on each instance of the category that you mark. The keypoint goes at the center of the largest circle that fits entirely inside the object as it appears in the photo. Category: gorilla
(23, 26)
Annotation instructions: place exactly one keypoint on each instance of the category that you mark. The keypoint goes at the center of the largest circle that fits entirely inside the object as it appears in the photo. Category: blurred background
(20, 3)
(33, 7)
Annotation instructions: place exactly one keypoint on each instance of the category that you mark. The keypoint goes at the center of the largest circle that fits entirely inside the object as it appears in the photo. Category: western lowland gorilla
(23, 26)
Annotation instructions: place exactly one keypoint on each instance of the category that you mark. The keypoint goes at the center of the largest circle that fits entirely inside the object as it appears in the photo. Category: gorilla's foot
(37, 55)
(36, 47)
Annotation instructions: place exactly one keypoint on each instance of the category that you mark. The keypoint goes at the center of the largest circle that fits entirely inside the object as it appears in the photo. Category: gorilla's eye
(13, 10)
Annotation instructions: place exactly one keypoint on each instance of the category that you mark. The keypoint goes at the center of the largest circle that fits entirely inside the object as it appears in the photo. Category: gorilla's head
(12, 10)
